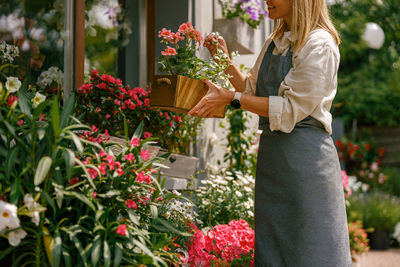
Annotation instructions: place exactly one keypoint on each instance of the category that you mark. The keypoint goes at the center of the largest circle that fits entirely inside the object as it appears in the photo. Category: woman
(300, 216)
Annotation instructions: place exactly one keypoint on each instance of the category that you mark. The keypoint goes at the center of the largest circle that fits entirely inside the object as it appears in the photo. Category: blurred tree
(368, 80)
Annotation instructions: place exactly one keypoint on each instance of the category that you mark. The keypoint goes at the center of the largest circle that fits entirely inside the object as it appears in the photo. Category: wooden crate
(178, 93)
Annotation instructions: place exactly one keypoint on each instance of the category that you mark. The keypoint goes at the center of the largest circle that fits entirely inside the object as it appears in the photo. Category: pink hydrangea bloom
(227, 241)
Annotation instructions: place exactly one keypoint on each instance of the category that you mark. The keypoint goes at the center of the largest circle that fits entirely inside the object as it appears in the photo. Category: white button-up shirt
(309, 87)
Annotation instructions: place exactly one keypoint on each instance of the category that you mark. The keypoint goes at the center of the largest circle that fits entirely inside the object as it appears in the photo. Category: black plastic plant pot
(379, 239)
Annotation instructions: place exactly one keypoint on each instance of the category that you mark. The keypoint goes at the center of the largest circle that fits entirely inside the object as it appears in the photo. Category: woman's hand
(214, 42)
(212, 101)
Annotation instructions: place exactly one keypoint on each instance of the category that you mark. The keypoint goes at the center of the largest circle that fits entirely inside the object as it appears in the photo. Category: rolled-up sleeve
(307, 88)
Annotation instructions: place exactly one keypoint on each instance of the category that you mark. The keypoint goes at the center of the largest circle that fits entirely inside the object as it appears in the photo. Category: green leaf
(96, 250)
(11, 160)
(132, 217)
(57, 249)
(67, 111)
(23, 103)
(77, 141)
(55, 116)
(15, 190)
(69, 157)
(139, 130)
(167, 226)
(42, 170)
(81, 197)
(117, 254)
(106, 254)
(153, 211)
(80, 249)
(6, 251)
(49, 200)
(144, 248)
(67, 258)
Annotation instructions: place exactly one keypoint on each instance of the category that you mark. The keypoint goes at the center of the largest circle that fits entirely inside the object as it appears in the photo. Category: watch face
(235, 103)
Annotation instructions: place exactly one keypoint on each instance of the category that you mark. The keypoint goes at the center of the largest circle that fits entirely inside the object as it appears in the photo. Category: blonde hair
(307, 15)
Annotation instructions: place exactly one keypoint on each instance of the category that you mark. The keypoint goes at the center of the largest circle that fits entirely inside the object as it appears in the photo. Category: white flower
(28, 200)
(250, 213)
(8, 215)
(14, 237)
(39, 98)
(13, 84)
(238, 194)
(34, 207)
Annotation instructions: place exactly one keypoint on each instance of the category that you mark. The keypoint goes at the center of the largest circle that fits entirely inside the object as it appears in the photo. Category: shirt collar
(282, 44)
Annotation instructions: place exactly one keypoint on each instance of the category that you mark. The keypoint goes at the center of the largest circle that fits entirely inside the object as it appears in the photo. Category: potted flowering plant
(359, 243)
(240, 19)
(249, 11)
(378, 211)
(182, 88)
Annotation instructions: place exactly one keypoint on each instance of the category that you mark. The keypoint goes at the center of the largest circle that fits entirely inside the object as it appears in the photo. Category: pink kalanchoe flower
(147, 135)
(131, 204)
(130, 157)
(108, 116)
(121, 230)
(135, 142)
(144, 154)
(169, 51)
(108, 78)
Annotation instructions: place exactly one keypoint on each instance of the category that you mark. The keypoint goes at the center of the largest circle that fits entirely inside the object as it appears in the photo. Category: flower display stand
(238, 35)
(180, 170)
(178, 93)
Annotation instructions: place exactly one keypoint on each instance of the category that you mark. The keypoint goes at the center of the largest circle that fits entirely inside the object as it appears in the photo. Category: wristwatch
(235, 102)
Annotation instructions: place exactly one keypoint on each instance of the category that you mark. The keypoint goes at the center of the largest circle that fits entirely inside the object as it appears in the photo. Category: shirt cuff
(275, 112)
(248, 90)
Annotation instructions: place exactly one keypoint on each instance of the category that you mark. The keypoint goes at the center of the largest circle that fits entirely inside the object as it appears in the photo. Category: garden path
(377, 258)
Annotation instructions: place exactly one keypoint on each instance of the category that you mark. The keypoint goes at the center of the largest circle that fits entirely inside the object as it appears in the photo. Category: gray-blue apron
(300, 216)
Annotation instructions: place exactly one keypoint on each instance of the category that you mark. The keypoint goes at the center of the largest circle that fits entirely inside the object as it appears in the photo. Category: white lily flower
(13, 84)
(8, 216)
(39, 98)
(15, 237)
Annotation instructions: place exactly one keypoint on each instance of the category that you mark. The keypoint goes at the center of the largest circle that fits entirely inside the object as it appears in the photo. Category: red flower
(85, 88)
(144, 154)
(147, 135)
(11, 99)
(74, 180)
(367, 147)
(121, 230)
(142, 177)
(135, 142)
(130, 157)
(108, 78)
(41, 117)
(131, 204)
(108, 116)
(102, 86)
(20, 122)
(169, 51)
(94, 73)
